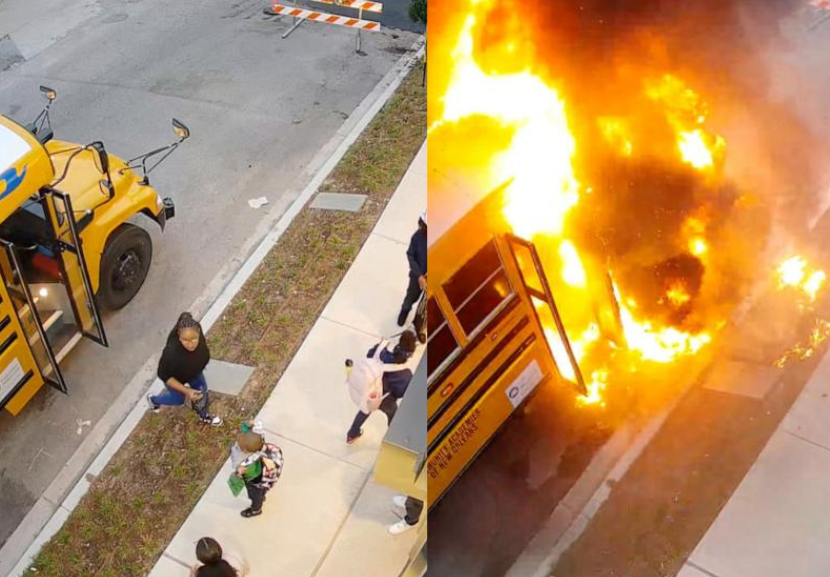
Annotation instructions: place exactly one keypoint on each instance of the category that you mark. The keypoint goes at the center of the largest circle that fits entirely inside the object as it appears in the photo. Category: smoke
(596, 50)
(598, 53)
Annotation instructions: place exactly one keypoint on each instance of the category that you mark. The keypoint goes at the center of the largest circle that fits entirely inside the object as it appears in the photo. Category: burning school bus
(604, 251)
(487, 347)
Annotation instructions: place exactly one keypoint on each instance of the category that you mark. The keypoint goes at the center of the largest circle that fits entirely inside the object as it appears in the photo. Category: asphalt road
(259, 109)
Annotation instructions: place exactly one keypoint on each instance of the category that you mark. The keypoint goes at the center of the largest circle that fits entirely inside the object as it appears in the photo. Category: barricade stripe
(326, 18)
(376, 7)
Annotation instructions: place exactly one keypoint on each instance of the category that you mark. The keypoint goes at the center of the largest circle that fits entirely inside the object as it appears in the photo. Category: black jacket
(394, 382)
(417, 254)
(181, 364)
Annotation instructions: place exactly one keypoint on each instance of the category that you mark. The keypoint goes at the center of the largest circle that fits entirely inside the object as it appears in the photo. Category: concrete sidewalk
(777, 522)
(326, 517)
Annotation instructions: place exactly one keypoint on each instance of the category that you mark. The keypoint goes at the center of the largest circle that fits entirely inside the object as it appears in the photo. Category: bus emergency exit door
(536, 284)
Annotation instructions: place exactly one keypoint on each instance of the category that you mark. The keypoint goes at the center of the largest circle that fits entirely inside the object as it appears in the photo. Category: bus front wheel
(124, 266)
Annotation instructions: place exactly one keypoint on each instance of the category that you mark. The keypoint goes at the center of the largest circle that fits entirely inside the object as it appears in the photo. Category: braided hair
(185, 321)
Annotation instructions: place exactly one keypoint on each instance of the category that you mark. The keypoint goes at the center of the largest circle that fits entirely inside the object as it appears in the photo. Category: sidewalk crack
(316, 450)
(701, 569)
(331, 320)
(806, 440)
(390, 239)
(176, 560)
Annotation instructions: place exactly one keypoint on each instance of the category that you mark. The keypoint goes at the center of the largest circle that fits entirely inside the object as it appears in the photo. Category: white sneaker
(400, 527)
(151, 406)
(399, 501)
(212, 420)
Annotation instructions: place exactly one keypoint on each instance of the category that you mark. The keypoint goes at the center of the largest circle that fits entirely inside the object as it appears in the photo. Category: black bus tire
(124, 266)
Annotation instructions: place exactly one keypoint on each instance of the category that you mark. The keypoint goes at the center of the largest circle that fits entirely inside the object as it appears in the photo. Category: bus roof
(452, 192)
(25, 166)
(13, 147)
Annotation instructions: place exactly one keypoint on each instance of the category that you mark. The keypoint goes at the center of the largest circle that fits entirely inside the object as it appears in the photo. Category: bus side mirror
(181, 130)
(49, 93)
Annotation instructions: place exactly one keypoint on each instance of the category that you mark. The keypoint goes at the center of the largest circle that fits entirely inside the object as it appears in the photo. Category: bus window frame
(446, 323)
(461, 337)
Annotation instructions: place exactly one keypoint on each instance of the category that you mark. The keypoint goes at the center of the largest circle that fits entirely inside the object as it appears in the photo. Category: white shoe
(212, 420)
(400, 527)
(151, 406)
(399, 501)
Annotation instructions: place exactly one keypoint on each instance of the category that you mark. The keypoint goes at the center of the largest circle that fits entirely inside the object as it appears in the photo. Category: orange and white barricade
(364, 5)
(301, 14)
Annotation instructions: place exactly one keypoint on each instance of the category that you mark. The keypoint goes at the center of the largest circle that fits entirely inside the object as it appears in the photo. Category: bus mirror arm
(141, 161)
(43, 120)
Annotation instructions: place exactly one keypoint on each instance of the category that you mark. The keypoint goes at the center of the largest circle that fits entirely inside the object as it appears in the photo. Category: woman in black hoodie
(181, 368)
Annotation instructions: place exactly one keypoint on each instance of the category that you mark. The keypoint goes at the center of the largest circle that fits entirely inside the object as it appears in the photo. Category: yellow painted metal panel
(18, 354)
(470, 434)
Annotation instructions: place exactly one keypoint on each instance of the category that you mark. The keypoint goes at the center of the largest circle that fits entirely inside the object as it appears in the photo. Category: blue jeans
(389, 406)
(173, 397)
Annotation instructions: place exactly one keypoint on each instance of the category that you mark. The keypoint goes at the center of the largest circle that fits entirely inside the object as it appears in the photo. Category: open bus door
(538, 289)
(47, 303)
(73, 265)
(27, 360)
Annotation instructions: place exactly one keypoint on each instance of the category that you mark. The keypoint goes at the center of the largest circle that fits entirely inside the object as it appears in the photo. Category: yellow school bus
(488, 306)
(66, 247)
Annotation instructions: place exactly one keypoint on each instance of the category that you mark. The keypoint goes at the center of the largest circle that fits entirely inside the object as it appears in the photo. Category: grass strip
(135, 507)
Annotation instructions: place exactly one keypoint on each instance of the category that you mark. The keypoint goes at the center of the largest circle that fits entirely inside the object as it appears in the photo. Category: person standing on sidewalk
(412, 508)
(181, 369)
(214, 562)
(394, 382)
(417, 255)
(257, 464)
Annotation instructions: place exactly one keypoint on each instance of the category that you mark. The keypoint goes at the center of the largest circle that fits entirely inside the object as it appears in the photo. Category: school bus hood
(83, 179)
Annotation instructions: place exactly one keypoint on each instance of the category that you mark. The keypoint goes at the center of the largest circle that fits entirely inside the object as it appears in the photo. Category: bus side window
(478, 288)
(441, 342)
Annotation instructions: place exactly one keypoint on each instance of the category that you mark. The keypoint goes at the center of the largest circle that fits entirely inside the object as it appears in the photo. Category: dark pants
(255, 494)
(174, 397)
(389, 406)
(414, 507)
(413, 292)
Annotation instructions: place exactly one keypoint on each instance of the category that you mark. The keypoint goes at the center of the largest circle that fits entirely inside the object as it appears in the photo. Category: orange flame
(660, 345)
(793, 273)
(596, 387)
(818, 335)
(615, 131)
(544, 188)
(697, 246)
(678, 295)
(685, 112)
(573, 272)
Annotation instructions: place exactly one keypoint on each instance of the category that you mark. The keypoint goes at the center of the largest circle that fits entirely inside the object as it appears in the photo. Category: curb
(53, 508)
(577, 509)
